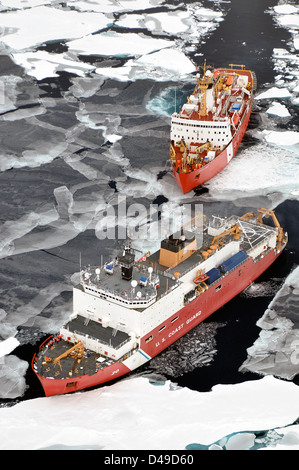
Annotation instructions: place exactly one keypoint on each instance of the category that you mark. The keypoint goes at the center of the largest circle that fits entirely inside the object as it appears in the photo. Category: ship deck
(109, 336)
(114, 287)
(90, 362)
(68, 366)
(253, 235)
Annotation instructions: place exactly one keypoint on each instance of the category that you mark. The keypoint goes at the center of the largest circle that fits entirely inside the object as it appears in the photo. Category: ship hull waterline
(187, 318)
(196, 178)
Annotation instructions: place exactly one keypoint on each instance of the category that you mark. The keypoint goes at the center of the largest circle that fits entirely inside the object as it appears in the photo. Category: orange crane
(269, 213)
(218, 239)
(234, 230)
(77, 350)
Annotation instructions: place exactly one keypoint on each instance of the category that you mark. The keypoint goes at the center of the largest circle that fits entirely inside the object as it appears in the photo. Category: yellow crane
(269, 213)
(77, 351)
(234, 230)
(218, 239)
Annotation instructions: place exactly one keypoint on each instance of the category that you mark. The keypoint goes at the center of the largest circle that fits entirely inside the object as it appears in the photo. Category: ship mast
(202, 84)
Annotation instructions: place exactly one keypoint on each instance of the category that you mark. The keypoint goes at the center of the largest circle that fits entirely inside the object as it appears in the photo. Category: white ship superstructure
(129, 310)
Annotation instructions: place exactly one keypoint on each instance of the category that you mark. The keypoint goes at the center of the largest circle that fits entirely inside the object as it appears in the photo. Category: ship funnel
(176, 248)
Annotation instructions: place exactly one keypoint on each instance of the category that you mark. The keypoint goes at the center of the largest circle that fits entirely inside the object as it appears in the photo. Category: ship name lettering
(115, 371)
(193, 317)
(176, 330)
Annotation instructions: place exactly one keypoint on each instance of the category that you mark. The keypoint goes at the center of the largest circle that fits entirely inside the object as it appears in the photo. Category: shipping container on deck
(213, 274)
(233, 261)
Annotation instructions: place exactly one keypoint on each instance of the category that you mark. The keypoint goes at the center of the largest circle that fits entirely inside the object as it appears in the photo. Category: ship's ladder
(254, 80)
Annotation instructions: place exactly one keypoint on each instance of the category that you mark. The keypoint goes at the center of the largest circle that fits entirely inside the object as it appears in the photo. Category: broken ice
(276, 351)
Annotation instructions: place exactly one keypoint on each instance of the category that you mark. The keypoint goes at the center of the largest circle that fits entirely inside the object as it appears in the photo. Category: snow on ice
(278, 109)
(273, 92)
(272, 176)
(116, 44)
(94, 143)
(35, 23)
(7, 346)
(282, 138)
(135, 408)
(276, 351)
(12, 376)
(31, 27)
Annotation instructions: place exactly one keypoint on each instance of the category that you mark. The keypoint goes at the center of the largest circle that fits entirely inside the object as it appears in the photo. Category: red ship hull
(206, 304)
(189, 181)
(175, 327)
(62, 386)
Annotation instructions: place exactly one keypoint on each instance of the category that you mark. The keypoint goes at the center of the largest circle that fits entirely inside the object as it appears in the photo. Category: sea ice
(240, 441)
(163, 65)
(206, 12)
(64, 200)
(287, 16)
(289, 21)
(112, 6)
(12, 377)
(117, 44)
(286, 9)
(43, 64)
(257, 405)
(273, 92)
(278, 109)
(8, 93)
(85, 87)
(12, 230)
(27, 315)
(281, 138)
(258, 170)
(8, 345)
(276, 351)
(169, 59)
(165, 22)
(21, 4)
(23, 29)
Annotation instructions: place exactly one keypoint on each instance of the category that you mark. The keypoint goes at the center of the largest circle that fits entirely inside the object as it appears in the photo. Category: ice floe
(78, 26)
(177, 22)
(8, 85)
(116, 44)
(282, 138)
(12, 376)
(12, 369)
(285, 9)
(31, 27)
(28, 34)
(166, 64)
(198, 417)
(258, 170)
(274, 92)
(43, 64)
(12, 229)
(276, 351)
(22, 4)
(286, 60)
(112, 6)
(8, 345)
(278, 109)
